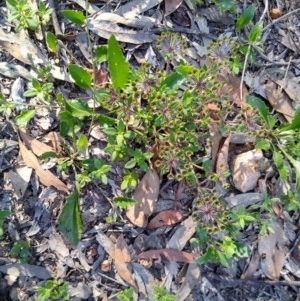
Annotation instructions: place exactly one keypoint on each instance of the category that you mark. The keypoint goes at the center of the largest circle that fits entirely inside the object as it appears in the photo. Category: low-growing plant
(126, 295)
(53, 290)
(22, 14)
(3, 215)
(21, 250)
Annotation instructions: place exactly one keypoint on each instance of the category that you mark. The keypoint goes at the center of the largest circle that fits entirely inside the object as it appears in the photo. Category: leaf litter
(133, 22)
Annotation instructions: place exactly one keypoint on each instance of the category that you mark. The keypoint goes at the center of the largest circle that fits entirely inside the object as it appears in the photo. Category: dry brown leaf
(192, 278)
(54, 139)
(271, 251)
(279, 101)
(292, 88)
(252, 266)
(146, 195)
(106, 243)
(122, 253)
(169, 254)
(232, 89)
(171, 6)
(35, 145)
(122, 260)
(216, 138)
(45, 176)
(165, 218)
(222, 166)
(20, 46)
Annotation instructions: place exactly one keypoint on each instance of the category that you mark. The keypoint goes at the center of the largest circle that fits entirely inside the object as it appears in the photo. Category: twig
(55, 19)
(243, 73)
(266, 2)
(281, 18)
(231, 282)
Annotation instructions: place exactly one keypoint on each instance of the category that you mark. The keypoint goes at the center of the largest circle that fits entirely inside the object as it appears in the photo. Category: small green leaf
(101, 53)
(24, 117)
(130, 164)
(226, 5)
(263, 144)
(246, 17)
(70, 221)
(51, 41)
(260, 106)
(282, 168)
(295, 122)
(210, 255)
(173, 80)
(105, 120)
(3, 215)
(124, 202)
(118, 67)
(256, 31)
(75, 16)
(82, 78)
(82, 143)
(78, 108)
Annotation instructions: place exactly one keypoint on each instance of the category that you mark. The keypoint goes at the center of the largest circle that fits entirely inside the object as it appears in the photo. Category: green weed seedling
(125, 295)
(3, 215)
(21, 250)
(22, 14)
(53, 290)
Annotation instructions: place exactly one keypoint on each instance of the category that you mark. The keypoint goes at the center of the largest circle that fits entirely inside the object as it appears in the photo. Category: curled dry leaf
(37, 147)
(171, 6)
(146, 195)
(271, 251)
(45, 176)
(216, 138)
(192, 278)
(165, 218)
(279, 101)
(222, 166)
(292, 88)
(168, 254)
(252, 266)
(122, 261)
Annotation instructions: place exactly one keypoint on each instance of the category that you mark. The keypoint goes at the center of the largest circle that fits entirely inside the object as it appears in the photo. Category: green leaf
(70, 221)
(124, 202)
(173, 80)
(11, 5)
(256, 32)
(295, 124)
(68, 124)
(260, 106)
(3, 215)
(263, 144)
(130, 164)
(82, 143)
(296, 165)
(24, 117)
(101, 53)
(78, 108)
(210, 255)
(118, 67)
(75, 16)
(82, 78)
(282, 168)
(51, 41)
(245, 18)
(226, 5)
(105, 120)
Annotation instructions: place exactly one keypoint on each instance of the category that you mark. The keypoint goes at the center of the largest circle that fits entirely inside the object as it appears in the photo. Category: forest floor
(214, 218)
